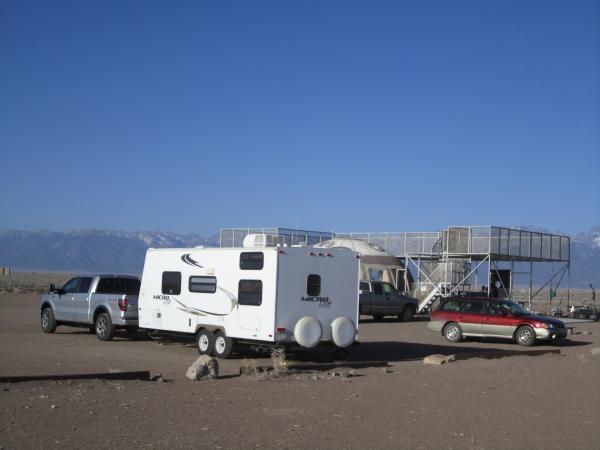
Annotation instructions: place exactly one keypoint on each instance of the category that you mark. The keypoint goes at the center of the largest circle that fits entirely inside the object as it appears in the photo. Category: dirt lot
(549, 401)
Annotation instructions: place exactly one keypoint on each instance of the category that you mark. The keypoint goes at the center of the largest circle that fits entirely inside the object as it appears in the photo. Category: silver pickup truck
(379, 299)
(102, 302)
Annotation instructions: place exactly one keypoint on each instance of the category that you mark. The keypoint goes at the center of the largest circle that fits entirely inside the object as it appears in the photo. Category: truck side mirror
(51, 289)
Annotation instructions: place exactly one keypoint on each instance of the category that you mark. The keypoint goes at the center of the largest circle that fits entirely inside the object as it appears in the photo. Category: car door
(81, 300)
(365, 298)
(63, 305)
(497, 321)
(393, 302)
(378, 303)
(471, 316)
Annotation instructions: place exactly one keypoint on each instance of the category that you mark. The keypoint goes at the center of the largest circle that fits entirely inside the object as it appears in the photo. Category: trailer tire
(48, 321)
(223, 345)
(205, 342)
(308, 331)
(105, 330)
(343, 331)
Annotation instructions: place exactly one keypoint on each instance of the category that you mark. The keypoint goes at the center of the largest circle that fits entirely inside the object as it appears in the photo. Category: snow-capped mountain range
(123, 252)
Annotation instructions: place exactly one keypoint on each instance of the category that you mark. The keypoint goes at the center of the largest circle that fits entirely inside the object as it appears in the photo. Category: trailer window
(252, 260)
(171, 283)
(250, 292)
(313, 285)
(207, 285)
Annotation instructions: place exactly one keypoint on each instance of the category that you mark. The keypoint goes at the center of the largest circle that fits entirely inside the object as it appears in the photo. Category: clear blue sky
(352, 116)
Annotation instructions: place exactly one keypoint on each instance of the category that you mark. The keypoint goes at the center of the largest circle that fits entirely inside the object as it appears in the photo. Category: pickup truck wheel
(223, 345)
(453, 332)
(47, 320)
(408, 314)
(525, 335)
(205, 342)
(105, 330)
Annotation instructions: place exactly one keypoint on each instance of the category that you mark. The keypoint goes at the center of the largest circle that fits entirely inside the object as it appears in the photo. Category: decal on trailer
(189, 261)
(233, 302)
(323, 302)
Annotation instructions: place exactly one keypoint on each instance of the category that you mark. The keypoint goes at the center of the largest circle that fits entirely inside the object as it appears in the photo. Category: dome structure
(373, 260)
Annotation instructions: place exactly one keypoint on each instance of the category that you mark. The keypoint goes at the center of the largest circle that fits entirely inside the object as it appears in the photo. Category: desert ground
(520, 401)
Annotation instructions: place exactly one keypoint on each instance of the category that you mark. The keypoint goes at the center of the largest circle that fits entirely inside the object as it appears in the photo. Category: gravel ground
(549, 401)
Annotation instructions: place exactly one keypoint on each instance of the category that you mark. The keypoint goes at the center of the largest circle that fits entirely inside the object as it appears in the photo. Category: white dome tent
(375, 263)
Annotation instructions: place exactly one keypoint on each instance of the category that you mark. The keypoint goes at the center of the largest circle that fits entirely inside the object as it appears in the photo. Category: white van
(275, 295)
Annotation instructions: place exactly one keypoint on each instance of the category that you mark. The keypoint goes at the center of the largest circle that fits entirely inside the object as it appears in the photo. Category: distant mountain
(88, 250)
(123, 252)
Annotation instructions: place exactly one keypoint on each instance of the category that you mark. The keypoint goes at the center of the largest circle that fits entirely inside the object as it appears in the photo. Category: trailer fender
(308, 331)
(343, 331)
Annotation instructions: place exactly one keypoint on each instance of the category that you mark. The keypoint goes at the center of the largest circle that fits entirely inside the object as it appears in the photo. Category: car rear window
(117, 285)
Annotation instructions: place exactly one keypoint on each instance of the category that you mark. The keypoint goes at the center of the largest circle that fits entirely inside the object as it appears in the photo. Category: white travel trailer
(275, 295)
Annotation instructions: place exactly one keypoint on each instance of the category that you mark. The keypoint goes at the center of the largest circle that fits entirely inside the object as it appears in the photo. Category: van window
(117, 285)
(313, 285)
(250, 292)
(252, 260)
(171, 283)
(364, 286)
(207, 285)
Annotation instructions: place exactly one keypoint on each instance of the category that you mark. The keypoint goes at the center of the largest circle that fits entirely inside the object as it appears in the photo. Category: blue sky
(351, 116)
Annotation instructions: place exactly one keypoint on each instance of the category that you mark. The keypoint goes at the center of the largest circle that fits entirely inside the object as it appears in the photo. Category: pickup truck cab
(379, 299)
(102, 302)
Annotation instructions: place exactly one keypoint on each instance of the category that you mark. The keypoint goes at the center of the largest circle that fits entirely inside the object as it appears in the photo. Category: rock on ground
(437, 359)
(204, 368)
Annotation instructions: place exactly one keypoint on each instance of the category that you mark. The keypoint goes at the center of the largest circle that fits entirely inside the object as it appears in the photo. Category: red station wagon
(484, 317)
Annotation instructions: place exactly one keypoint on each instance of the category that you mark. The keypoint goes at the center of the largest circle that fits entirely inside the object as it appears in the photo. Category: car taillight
(122, 304)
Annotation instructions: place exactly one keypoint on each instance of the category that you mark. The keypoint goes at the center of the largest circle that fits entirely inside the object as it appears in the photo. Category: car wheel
(408, 314)
(47, 320)
(223, 345)
(453, 332)
(525, 335)
(378, 317)
(105, 330)
(205, 342)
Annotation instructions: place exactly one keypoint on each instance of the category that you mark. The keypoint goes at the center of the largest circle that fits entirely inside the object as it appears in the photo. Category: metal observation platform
(455, 260)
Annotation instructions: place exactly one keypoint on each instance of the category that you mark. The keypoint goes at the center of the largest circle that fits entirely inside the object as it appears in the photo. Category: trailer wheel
(223, 345)
(48, 320)
(205, 342)
(105, 330)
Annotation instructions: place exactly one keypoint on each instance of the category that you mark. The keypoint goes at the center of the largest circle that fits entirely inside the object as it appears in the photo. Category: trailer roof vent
(262, 240)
